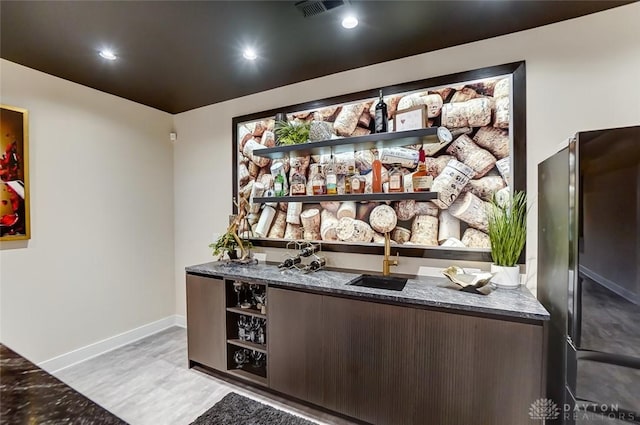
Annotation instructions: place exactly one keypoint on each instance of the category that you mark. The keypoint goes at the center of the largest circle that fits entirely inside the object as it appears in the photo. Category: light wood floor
(148, 382)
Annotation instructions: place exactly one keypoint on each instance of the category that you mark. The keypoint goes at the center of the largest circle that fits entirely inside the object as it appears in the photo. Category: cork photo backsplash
(467, 171)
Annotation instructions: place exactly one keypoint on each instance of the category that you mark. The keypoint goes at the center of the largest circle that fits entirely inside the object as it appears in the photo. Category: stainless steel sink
(380, 282)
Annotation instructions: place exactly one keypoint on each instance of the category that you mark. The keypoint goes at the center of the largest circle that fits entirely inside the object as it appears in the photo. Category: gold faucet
(386, 263)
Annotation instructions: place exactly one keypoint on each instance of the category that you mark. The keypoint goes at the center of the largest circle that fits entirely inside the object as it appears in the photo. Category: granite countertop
(422, 291)
(32, 396)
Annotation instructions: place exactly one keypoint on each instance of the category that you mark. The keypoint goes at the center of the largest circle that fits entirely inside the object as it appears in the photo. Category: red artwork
(14, 222)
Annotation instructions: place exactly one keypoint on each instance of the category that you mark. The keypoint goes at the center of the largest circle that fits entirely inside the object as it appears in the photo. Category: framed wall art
(14, 174)
(471, 126)
(411, 118)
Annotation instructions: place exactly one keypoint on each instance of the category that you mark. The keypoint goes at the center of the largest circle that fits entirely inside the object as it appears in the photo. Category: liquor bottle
(278, 184)
(298, 183)
(290, 262)
(318, 184)
(376, 176)
(348, 178)
(381, 116)
(396, 179)
(421, 180)
(358, 183)
(331, 178)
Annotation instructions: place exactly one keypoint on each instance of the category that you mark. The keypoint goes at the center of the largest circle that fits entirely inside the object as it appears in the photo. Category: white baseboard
(181, 321)
(92, 350)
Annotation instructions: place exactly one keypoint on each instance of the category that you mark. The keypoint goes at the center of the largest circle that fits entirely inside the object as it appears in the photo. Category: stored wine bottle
(318, 263)
(307, 251)
(290, 262)
(381, 115)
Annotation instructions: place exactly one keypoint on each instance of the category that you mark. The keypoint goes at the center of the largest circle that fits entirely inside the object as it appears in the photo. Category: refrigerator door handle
(612, 359)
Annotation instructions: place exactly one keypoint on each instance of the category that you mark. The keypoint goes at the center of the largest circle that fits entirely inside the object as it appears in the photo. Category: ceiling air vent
(316, 7)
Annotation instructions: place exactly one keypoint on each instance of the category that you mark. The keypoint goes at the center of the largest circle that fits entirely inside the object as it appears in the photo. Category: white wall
(582, 74)
(100, 259)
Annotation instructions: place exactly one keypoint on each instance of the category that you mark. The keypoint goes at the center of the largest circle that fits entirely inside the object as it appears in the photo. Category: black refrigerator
(588, 277)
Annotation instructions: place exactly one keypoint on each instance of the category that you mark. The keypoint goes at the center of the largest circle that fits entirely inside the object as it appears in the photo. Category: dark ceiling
(180, 55)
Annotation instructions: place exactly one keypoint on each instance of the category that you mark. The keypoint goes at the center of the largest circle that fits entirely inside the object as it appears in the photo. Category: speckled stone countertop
(31, 396)
(423, 291)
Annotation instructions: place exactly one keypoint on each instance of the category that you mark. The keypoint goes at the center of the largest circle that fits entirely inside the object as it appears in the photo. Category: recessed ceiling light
(108, 54)
(350, 22)
(249, 54)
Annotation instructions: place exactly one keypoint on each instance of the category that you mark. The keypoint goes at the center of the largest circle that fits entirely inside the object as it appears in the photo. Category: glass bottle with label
(381, 116)
(396, 179)
(318, 183)
(331, 178)
(358, 183)
(347, 180)
(280, 184)
(376, 176)
(421, 180)
(298, 183)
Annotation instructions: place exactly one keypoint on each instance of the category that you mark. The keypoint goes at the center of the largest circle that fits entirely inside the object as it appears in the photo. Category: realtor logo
(544, 408)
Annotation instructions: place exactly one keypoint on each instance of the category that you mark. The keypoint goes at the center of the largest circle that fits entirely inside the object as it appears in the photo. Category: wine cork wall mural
(475, 156)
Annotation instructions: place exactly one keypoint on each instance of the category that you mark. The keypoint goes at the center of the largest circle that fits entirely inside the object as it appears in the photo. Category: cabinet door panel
(475, 370)
(295, 344)
(206, 328)
(367, 360)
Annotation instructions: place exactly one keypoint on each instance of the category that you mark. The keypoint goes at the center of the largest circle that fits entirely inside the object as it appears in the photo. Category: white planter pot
(506, 277)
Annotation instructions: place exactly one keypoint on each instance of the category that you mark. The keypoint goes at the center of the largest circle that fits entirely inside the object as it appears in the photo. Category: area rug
(235, 409)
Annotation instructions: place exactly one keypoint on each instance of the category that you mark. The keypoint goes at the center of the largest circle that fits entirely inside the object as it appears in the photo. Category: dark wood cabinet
(206, 329)
(381, 363)
(387, 364)
(365, 367)
(295, 346)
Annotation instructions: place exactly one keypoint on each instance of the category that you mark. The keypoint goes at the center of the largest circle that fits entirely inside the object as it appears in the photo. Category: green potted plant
(508, 234)
(291, 132)
(225, 243)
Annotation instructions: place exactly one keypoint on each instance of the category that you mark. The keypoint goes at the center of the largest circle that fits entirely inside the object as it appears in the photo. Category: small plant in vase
(225, 243)
(230, 241)
(508, 234)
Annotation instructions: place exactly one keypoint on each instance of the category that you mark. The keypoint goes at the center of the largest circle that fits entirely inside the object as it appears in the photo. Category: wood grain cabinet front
(390, 365)
(295, 344)
(206, 328)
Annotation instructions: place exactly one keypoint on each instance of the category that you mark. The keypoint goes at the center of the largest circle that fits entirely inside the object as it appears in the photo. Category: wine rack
(246, 330)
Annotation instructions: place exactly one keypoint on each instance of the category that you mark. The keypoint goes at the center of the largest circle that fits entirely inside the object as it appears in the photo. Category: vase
(507, 277)
(233, 255)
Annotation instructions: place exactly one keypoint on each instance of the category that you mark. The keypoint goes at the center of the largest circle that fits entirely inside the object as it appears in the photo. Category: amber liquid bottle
(421, 180)
(376, 176)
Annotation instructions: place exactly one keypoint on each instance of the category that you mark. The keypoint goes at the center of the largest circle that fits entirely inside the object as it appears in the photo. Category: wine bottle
(381, 116)
(290, 262)
(317, 264)
(307, 251)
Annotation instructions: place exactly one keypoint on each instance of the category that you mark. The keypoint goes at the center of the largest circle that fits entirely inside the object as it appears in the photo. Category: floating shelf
(351, 144)
(356, 197)
(252, 377)
(247, 312)
(248, 344)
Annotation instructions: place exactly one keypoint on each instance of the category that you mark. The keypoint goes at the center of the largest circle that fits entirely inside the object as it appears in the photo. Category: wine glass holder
(309, 254)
